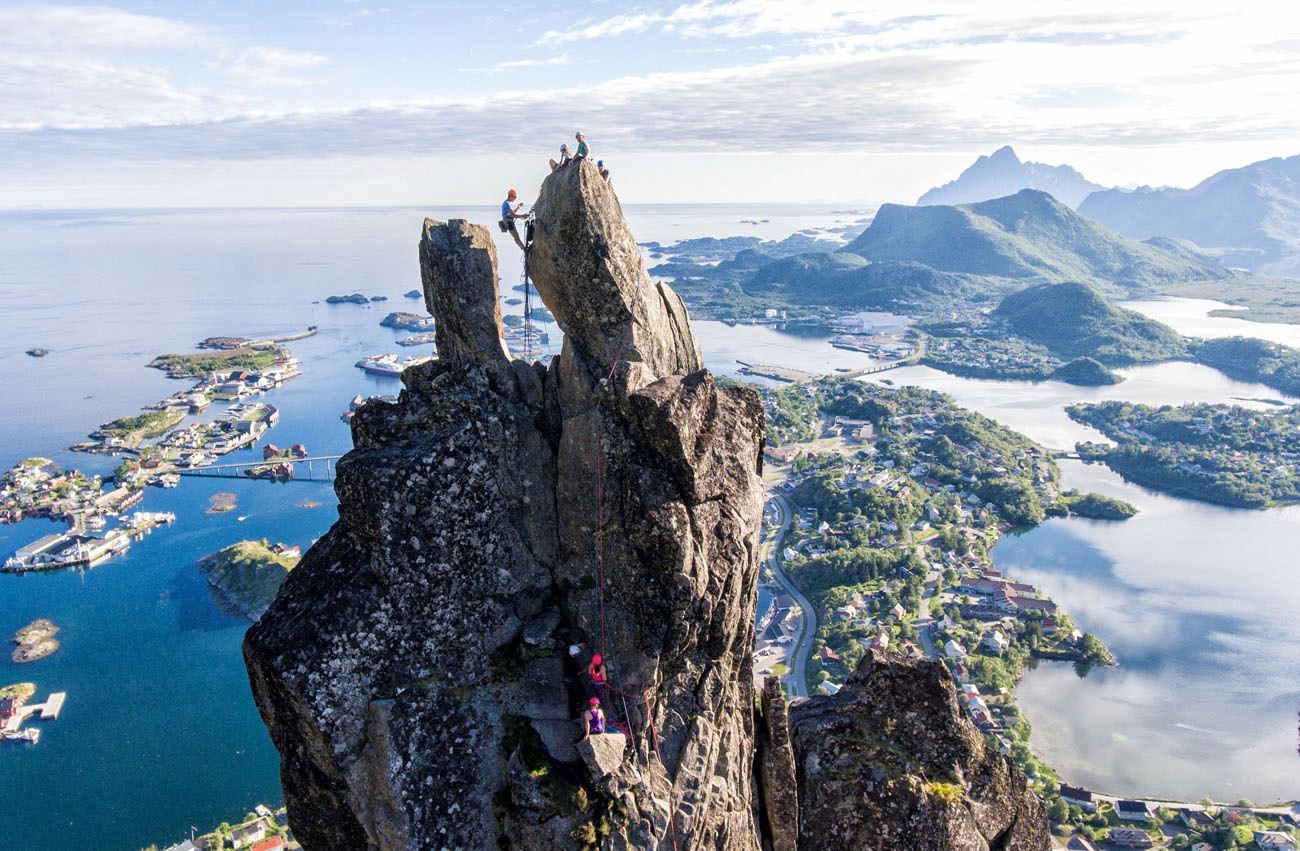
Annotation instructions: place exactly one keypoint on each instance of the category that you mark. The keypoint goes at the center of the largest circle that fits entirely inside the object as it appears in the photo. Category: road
(796, 679)
(924, 623)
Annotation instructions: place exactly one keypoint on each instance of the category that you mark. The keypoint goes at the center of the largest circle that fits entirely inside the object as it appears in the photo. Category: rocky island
(411, 670)
(247, 575)
(38, 353)
(35, 641)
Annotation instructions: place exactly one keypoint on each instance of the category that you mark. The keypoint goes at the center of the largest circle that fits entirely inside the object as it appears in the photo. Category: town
(885, 505)
(156, 447)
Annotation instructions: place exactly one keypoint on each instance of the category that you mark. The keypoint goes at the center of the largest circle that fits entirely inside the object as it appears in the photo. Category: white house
(995, 641)
(953, 650)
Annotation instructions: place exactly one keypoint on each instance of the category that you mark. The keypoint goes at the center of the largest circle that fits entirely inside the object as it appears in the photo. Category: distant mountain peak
(1002, 173)
(1003, 154)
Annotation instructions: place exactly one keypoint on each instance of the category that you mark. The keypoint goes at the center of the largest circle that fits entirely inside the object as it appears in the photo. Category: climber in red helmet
(510, 210)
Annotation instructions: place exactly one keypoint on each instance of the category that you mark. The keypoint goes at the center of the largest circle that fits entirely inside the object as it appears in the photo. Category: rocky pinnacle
(410, 672)
(412, 669)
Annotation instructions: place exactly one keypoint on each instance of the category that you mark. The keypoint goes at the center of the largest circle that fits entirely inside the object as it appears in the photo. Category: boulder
(891, 761)
(602, 753)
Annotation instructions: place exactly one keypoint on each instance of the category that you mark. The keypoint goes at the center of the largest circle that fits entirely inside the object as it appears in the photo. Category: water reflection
(1198, 603)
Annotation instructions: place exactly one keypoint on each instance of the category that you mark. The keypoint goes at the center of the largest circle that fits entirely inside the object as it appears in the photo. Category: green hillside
(1026, 235)
(844, 280)
(247, 575)
(1073, 320)
(1248, 359)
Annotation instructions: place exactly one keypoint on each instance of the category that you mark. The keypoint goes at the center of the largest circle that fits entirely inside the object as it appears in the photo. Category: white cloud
(71, 29)
(259, 67)
(519, 64)
(95, 66)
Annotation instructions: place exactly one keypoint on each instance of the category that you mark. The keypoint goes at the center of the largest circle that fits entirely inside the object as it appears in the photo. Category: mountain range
(1003, 173)
(1026, 235)
(1249, 216)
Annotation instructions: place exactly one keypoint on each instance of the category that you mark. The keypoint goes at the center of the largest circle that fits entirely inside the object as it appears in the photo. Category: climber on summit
(509, 212)
(564, 159)
(593, 720)
(604, 172)
(583, 150)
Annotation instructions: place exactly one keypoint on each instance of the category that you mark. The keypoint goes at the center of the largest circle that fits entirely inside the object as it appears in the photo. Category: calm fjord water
(160, 733)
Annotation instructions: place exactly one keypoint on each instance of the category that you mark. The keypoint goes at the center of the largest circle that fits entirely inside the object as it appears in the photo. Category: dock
(52, 706)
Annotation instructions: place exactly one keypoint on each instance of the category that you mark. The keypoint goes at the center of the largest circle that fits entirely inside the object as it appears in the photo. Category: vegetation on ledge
(248, 575)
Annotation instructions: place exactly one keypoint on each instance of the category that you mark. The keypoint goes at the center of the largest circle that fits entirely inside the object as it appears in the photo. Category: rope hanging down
(600, 569)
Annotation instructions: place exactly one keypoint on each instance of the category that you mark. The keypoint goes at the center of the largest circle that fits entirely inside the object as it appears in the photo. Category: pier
(316, 468)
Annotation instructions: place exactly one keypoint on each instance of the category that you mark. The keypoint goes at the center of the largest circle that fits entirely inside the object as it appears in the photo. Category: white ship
(388, 364)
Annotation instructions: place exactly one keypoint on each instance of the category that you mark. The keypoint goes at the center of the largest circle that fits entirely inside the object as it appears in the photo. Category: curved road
(796, 679)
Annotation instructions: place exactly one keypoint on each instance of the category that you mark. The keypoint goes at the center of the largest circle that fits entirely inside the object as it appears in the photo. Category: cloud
(72, 29)
(518, 64)
(95, 66)
(273, 66)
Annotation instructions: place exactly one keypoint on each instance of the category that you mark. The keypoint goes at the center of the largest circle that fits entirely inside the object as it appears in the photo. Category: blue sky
(339, 102)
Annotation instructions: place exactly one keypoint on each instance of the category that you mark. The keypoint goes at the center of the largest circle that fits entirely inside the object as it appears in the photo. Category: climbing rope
(600, 574)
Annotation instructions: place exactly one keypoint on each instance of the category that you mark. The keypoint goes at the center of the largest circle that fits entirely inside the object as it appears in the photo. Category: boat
(31, 735)
(389, 365)
(380, 365)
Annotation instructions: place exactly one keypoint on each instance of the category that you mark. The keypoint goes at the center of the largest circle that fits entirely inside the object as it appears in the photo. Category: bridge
(314, 468)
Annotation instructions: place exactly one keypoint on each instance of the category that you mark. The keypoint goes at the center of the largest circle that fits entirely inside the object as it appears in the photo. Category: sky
(354, 102)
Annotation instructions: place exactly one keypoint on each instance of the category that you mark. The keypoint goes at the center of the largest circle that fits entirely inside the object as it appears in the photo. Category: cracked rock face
(892, 762)
(411, 671)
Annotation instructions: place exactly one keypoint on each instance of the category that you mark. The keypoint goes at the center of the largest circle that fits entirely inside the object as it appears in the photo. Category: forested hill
(1026, 235)
(1073, 320)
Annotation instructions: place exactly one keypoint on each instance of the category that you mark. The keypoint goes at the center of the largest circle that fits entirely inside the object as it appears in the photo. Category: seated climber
(564, 159)
(510, 210)
(583, 150)
(596, 673)
(593, 720)
(604, 172)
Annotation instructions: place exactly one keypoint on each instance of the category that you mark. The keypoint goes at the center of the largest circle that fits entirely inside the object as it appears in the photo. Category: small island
(38, 353)
(35, 641)
(220, 503)
(353, 298)
(1086, 372)
(408, 321)
(1093, 506)
(414, 294)
(247, 575)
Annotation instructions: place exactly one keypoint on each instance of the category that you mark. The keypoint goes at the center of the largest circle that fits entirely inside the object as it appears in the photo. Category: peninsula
(1217, 453)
